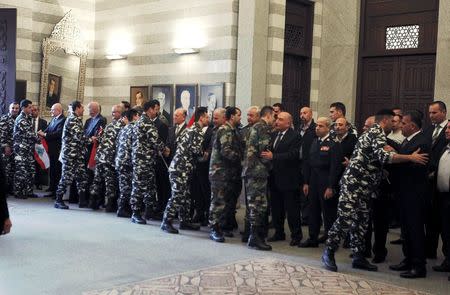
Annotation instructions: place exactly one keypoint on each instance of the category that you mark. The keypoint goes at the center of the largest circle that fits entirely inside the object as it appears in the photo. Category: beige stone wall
(315, 57)
(442, 76)
(35, 21)
(338, 55)
(153, 28)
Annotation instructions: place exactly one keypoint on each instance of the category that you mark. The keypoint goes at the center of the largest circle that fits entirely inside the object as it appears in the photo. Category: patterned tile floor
(258, 276)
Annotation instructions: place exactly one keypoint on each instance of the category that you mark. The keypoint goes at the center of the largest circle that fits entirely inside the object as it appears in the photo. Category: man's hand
(94, 138)
(8, 150)
(328, 193)
(41, 133)
(306, 190)
(7, 226)
(346, 162)
(418, 158)
(166, 152)
(388, 148)
(205, 156)
(267, 155)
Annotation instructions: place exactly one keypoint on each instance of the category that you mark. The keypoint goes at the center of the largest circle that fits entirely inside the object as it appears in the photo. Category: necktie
(277, 140)
(436, 132)
(404, 143)
(177, 129)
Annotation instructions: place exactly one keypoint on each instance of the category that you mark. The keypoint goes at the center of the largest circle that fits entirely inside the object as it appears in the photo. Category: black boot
(216, 234)
(83, 202)
(167, 227)
(59, 203)
(111, 206)
(328, 260)
(150, 213)
(360, 262)
(94, 204)
(123, 211)
(256, 242)
(189, 225)
(246, 233)
(137, 218)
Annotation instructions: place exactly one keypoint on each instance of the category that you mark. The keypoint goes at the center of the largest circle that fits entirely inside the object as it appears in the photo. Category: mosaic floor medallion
(257, 276)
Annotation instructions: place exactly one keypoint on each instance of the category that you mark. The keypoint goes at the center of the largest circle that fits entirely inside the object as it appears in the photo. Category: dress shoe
(33, 196)
(414, 273)
(309, 243)
(167, 227)
(38, 187)
(61, 205)
(110, 207)
(402, 266)
(123, 212)
(277, 237)
(397, 242)
(328, 260)
(255, 241)
(360, 262)
(295, 242)
(444, 267)
(378, 259)
(216, 234)
(322, 239)
(228, 233)
(137, 218)
(189, 225)
(49, 190)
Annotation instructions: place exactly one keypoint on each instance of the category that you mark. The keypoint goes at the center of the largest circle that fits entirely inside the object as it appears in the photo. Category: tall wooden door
(397, 55)
(8, 24)
(397, 81)
(297, 56)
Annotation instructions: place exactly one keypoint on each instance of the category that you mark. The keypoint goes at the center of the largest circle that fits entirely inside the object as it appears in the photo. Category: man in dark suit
(53, 137)
(436, 135)
(92, 128)
(179, 118)
(5, 222)
(307, 131)
(442, 186)
(284, 179)
(412, 192)
(321, 172)
(161, 173)
(39, 124)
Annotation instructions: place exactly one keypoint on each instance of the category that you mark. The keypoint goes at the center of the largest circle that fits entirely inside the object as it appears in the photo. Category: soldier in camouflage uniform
(6, 143)
(189, 149)
(104, 168)
(361, 178)
(224, 171)
(255, 173)
(24, 139)
(73, 152)
(123, 163)
(146, 146)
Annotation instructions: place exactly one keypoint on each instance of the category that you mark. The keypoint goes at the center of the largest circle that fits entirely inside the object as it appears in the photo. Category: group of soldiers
(340, 172)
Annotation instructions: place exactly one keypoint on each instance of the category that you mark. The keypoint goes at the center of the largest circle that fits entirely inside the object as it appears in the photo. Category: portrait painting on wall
(186, 98)
(212, 96)
(164, 94)
(54, 90)
(138, 95)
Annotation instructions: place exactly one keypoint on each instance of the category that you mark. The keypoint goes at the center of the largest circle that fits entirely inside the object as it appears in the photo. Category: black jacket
(171, 142)
(54, 135)
(286, 170)
(348, 145)
(436, 147)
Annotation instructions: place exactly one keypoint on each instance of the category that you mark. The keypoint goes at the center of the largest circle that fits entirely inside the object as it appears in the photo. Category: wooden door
(295, 83)
(8, 24)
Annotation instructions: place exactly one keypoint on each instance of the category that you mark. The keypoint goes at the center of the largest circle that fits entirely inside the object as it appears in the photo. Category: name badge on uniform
(324, 148)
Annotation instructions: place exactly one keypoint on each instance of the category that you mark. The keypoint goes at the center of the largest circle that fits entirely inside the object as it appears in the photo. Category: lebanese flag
(41, 154)
(191, 121)
(91, 163)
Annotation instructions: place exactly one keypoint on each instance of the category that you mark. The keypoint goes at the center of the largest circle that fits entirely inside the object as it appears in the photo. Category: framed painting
(138, 95)
(54, 90)
(164, 94)
(186, 98)
(212, 96)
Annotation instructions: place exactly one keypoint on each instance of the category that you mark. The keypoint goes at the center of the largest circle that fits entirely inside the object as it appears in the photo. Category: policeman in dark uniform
(321, 171)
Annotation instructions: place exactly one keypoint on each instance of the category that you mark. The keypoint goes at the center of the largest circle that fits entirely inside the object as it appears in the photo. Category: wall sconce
(186, 50)
(115, 56)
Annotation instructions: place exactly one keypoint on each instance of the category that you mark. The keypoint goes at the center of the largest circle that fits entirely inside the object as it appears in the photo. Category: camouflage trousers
(8, 165)
(143, 185)
(104, 173)
(180, 199)
(256, 193)
(73, 169)
(125, 176)
(24, 175)
(224, 195)
(352, 216)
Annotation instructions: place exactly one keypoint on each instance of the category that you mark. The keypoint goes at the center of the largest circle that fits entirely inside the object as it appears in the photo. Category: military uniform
(123, 164)
(361, 178)
(73, 152)
(6, 140)
(224, 174)
(189, 148)
(146, 146)
(104, 168)
(24, 139)
(256, 172)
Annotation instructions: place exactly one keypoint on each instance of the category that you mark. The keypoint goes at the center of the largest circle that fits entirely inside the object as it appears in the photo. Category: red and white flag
(41, 154)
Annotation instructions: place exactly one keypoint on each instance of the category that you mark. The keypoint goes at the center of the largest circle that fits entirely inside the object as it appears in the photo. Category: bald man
(284, 179)
(53, 136)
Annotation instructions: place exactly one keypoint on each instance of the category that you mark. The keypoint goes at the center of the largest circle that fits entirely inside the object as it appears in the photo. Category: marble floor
(82, 252)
